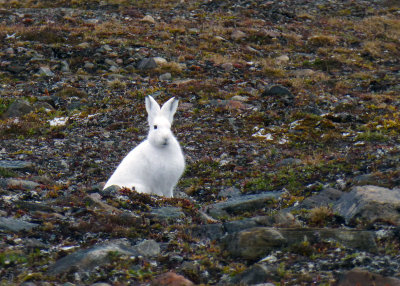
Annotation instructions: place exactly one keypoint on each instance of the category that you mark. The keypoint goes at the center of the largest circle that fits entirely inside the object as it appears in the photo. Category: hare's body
(157, 163)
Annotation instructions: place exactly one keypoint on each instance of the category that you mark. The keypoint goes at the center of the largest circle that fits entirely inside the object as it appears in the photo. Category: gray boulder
(254, 243)
(15, 225)
(368, 204)
(88, 259)
(242, 204)
(18, 108)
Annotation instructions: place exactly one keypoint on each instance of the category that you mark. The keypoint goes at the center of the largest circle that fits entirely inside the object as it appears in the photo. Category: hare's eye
(155, 126)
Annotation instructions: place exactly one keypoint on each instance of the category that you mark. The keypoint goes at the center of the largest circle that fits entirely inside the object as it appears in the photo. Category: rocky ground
(289, 119)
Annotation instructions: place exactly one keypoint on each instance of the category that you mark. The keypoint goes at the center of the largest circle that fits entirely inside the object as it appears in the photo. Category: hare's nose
(165, 141)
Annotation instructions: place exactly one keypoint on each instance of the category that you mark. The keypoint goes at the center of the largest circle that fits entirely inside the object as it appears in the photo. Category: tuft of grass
(7, 173)
(320, 216)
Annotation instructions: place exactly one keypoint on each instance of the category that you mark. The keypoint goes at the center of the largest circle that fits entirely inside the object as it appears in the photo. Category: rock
(227, 66)
(89, 66)
(37, 206)
(229, 193)
(281, 219)
(239, 225)
(303, 72)
(326, 197)
(15, 68)
(160, 61)
(146, 64)
(289, 162)
(257, 273)
(364, 277)
(253, 243)
(21, 184)
(278, 96)
(352, 238)
(210, 231)
(45, 71)
(87, 259)
(15, 225)
(238, 35)
(105, 48)
(65, 66)
(167, 213)
(240, 98)
(148, 248)
(166, 76)
(278, 90)
(84, 45)
(148, 19)
(110, 62)
(171, 279)
(15, 165)
(114, 69)
(18, 108)
(241, 204)
(110, 191)
(282, 59)
(368, 204)
(9, 51)
(369, 179)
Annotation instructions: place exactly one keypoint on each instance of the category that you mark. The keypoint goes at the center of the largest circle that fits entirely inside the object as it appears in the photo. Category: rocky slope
(289, 120)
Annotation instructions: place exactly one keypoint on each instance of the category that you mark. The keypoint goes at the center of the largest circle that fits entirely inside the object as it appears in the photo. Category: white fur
(156, 164)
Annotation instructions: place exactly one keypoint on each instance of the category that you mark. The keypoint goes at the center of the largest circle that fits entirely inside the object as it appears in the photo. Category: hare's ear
(152, 106)
(169, 108)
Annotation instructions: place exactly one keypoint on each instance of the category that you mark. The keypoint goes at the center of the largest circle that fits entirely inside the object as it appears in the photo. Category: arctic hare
(157, 163)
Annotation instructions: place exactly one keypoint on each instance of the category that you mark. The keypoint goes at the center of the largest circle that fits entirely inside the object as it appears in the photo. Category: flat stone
(148, 248)
(84, 45)
(359, 276)
(45, 71)
(166, 76)
(242, 204)
(227, 66)
(18, 108)
(21, 184)
(171, 279)
(15, 165)
(303, 72)
(282, 59)
(255, 243)
(15, 68)
(277, 90)
(110, 62)
(160, 61)
(368, 204)
(87, 259)
(326, 197)
(210, 231)
(238, 35)
(257, 273)
(239, 225)
(167, 213)
(15, 225)
(89, 66)
(147, 64)
(289, 162)
(352, 238)
(36, 206)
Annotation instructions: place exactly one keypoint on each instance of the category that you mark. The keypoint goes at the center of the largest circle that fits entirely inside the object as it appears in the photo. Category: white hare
(157, 163)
